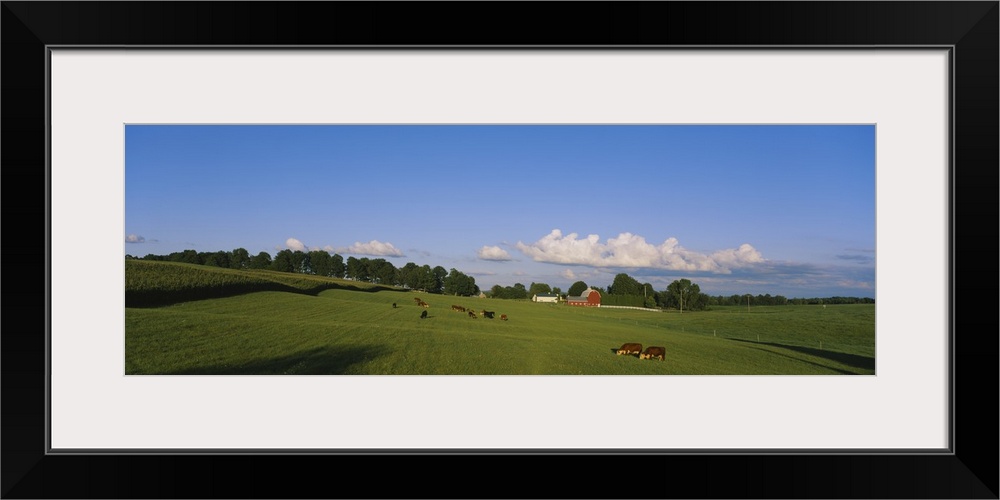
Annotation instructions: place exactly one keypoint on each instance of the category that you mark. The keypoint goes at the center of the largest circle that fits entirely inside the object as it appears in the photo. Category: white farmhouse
(545, 297)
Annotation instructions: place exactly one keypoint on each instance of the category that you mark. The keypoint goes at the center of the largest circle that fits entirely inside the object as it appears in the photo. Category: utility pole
(748, 302)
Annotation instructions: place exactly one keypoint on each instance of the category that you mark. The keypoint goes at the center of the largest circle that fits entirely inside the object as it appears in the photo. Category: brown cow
(503, 317)
(630, 349)
(458, 308)
(423, 304)
(472, 314)
(653, 352)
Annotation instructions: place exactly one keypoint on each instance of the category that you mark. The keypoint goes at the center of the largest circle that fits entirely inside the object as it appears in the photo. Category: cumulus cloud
(568, 274)
(374, 248)
(294, 244)
(492, 253)
(628, 250)
(134, 238)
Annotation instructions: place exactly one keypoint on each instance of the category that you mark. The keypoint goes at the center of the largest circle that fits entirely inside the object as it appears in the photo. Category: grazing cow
(393, 305)
(503, 317)
(653, 352)
(423, 314)
(423, 304)
(630, 349)
(488, 314)
(472, 314)
(458, 308)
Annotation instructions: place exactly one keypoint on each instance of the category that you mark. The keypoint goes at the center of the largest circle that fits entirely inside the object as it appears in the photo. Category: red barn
(590, 298)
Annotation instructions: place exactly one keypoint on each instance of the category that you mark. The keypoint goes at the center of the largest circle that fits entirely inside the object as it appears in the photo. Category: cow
(458, 308)
(630, 349)
(488, 314)
(423, 304)
(503, 317)
(653, 352)
(417, 300)
(393, 305)
(472, 314)
(423, 314)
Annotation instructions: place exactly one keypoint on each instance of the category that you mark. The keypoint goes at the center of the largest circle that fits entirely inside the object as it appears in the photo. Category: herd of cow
(472, 313)
(651, 352)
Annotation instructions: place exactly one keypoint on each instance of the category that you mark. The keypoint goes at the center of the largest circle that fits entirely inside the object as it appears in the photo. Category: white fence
(630, 307)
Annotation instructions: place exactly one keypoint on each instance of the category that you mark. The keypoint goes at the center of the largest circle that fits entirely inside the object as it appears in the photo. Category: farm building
(589, 298)
(545, 297)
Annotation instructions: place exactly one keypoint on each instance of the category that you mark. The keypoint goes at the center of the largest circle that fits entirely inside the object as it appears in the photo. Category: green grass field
(186, 319)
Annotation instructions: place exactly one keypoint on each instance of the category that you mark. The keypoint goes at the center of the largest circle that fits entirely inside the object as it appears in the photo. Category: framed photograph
(809, 160)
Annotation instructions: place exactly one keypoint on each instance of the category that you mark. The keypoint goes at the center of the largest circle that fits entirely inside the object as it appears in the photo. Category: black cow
(393, 305)
(488, 314)
(423, 314)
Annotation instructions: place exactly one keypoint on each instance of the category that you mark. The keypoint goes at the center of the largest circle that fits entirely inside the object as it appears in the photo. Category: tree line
(682, 294)
(685, 295)
(321, 263)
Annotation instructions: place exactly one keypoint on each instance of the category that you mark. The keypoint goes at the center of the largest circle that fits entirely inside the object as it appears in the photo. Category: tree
(240, 259)
(409, 276)
(321, 262)
(188, 256)
(538, 288)
(625, 285)
(687, 295)
(458, 283)
(556, 290)
(519, 292)
(337, 267)
(217, 259)
(425, 278)
(283, 261)
(300, 262)
(357, 269)
(261, 261)
(650, 301)
(576, 289)
(439, 274)
(382, 271)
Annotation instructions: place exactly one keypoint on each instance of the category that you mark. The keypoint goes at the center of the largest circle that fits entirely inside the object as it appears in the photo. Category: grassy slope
(326, 328)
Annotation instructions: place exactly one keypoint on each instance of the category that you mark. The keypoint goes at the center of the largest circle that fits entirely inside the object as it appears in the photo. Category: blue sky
(784, 210)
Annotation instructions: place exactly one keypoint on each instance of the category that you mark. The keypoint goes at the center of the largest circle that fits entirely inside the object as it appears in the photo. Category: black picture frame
(969, 28)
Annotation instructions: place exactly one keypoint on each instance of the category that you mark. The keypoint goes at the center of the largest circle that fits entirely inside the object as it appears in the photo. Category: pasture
(195, 320)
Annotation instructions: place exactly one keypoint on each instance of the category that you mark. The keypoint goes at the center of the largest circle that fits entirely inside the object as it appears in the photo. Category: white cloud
(632, 251)
(134, 238)
(568, 274)
(373, 247)
(739, 257)
(492, 253)
(294, 244)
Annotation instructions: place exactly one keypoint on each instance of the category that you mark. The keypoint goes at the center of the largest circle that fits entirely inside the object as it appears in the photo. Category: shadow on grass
(317, 361)
(854, 360)
(159, 298)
